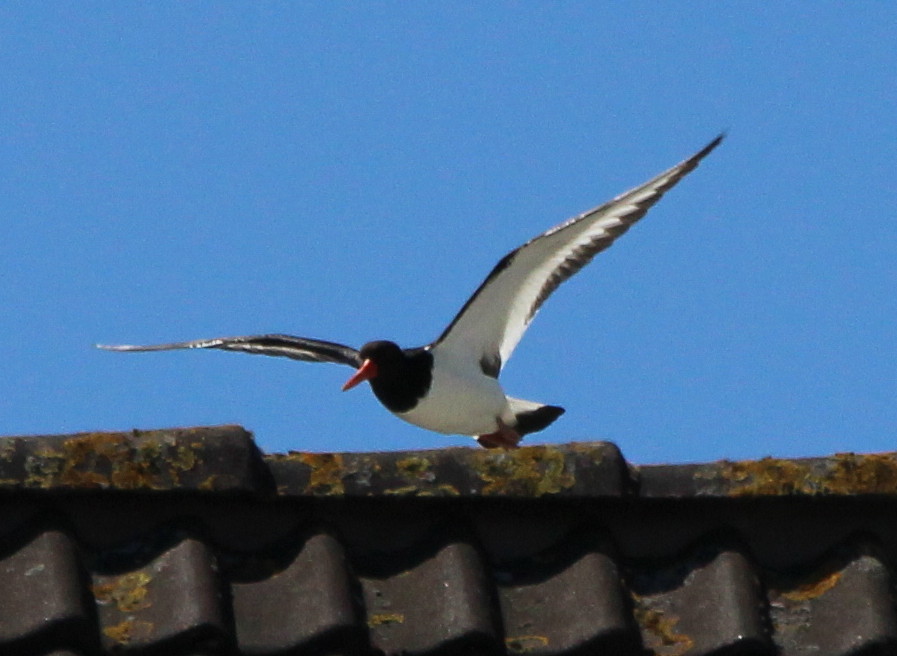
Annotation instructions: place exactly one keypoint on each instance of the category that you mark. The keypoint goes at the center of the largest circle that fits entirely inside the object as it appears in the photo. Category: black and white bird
(451, 385)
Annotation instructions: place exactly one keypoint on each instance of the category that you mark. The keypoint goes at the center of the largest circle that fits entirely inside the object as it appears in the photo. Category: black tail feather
(538, 419)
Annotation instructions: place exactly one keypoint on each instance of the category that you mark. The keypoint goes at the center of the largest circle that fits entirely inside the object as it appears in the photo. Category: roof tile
(220, 459)
(843, 474)
(191, 542)
(173, 599)
(843, 606)
(703, 604)
(306, 602)
(442, 600)
(589, 469)
(566, 603)
(42, 598)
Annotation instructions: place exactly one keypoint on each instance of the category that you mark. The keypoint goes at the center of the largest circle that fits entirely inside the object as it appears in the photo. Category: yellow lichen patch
(850, 473)
(404, 491)
(107, 460)
(531, 472)
(326, 473)
(442, 490)
(813, 589)
(184, 458)
(415, 468)
(49, 469)
(662, 636)
(124, 632)
(379, 619)
(128, 592)
(842, 474)
(765, 477)
(209, 483)
(7, 449)
(524, 644)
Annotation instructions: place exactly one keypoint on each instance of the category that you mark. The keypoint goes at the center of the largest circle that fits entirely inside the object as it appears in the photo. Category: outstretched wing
(491, 323)
(287, 346)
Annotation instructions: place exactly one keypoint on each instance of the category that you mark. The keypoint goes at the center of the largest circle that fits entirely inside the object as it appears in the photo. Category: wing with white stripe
(491, 323)
(297, 348)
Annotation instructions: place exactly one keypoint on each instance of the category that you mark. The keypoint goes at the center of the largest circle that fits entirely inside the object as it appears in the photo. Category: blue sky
(351, 171)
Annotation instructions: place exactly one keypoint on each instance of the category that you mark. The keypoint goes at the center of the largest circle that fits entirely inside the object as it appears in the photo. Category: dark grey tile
(42, 598)
(566, 605)
(845, 606)
(306, 605)
(441, 602)
(709, 602)
(173, 600)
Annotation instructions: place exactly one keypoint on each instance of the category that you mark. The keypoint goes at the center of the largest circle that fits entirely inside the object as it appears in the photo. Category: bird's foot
(505, 438)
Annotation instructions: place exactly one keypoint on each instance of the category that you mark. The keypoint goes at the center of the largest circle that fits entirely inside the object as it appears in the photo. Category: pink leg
(505, 437)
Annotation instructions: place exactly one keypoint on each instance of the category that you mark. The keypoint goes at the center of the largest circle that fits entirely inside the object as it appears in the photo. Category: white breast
(460, 401)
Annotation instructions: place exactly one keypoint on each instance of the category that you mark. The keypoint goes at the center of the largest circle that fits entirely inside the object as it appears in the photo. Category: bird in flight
(451, 385)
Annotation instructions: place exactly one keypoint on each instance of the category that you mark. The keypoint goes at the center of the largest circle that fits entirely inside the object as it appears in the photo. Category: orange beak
(366, 371)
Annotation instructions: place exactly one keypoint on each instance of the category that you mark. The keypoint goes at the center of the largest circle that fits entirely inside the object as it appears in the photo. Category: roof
(192, 541)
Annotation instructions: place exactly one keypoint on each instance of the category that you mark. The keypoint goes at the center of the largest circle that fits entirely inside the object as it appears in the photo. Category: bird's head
(374, 357)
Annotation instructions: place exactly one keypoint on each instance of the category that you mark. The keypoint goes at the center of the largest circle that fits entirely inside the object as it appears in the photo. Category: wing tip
(123, 348)
(118, 347)
(706, 150)
(687, 166)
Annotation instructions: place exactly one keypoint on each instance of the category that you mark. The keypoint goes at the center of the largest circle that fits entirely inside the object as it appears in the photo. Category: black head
(379, 360)
(398, 377)
(382, 352)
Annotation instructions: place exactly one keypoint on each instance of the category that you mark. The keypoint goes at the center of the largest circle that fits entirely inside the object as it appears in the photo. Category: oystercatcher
(451, 385)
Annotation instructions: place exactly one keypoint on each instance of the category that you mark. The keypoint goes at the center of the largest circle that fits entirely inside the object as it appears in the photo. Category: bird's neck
(401, 384)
